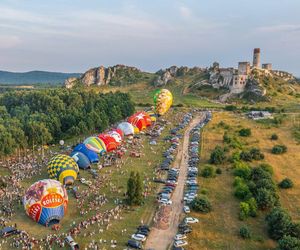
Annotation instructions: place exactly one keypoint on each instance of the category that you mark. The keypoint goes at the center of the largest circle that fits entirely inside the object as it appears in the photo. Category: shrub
(266, 183)
(235, 157)
(201, 204)
(245, 132)
(204, 191)
(256, 154)
(274, 137)
(230, 108)
(208, 171)
(279, 149)
(242, 170)
(252, 206)
(279, 223)
(245, 232)
(217, 156)
(286, 183)
(219, 171)
(259, 173)
(289, 243)
(244, 210)
(245, 156)
(265, 198)
(238, 181)
(242, 191)
(267, 167)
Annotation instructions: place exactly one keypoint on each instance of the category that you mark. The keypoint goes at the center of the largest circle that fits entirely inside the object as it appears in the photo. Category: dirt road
(161, 239)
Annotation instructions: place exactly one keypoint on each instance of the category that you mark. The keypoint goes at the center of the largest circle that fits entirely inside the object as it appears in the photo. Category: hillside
(34, 77)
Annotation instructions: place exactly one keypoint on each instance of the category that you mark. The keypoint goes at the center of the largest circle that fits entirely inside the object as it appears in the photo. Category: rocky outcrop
(166, 75)
(102, 76)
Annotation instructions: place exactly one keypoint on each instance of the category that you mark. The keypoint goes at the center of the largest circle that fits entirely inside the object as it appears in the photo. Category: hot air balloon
(147, 118)
(138, 121)
(126, 128)
(95, 144)
(46, 202)
(163, 100)
(116, 135)
(63, 168)
(81, 159)
(152, 115)
(91, 155)
(110, 142)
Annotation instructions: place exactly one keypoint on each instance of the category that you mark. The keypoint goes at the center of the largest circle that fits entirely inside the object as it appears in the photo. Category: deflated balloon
(46, 201)
(110, 142)
(163, 100)
(63, 168)
(95, 144)
(81, 159)
(91, 155)
(138, 121)
(127, 128)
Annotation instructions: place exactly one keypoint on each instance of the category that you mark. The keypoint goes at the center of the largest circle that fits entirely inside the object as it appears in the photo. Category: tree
(288, 242)
(265, 198)
(208, 171)
(279, 149)
(131, 187)
(217, 156)
(242, 191)
(286, 183)
(242, 170)
(244, 210)
(201, 204)
(245, 232)
(245, 132)
(256, 154)
(274, 137)
(138, 194)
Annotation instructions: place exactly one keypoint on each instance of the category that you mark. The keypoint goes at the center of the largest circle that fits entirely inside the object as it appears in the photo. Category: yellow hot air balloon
(152, 115)
(63, 168)
(163, 100)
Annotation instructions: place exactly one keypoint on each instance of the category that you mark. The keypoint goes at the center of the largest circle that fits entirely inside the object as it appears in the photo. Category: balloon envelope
(63, 168)
(126, 128)
(163, 100)
(46, 202)
(110, 142)
(91, 155)
(95, 144)
(138, 121)
(81, 159)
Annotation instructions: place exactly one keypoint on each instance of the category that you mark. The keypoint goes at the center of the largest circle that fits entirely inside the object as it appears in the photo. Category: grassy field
(220, 228)
(151, 157)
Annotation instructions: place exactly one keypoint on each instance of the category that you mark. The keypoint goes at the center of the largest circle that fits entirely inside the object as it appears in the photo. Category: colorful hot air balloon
(116, 135)
(63, 168)
(81, 159)
(95, 144)
(147, 118)
(152, 115)
(110, 142)
(163, 100)
(138, 121)
(93, 157)
(46, 202)
(126, 128)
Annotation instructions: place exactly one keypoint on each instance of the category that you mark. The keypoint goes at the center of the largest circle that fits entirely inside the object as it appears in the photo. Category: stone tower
(256, 58)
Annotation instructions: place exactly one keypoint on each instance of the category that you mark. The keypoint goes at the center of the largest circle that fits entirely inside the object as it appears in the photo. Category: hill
(34, 77)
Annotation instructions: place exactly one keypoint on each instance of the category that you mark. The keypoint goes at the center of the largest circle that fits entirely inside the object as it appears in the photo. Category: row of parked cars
(165, 194)
(139, 237)
(191, 184)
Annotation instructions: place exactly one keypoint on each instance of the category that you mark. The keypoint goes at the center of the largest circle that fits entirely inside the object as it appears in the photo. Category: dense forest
(41, 117)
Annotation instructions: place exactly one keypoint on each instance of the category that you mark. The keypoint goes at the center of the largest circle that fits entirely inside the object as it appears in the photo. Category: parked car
(138, 237)
(9, 231)
(71, 243)
(134, 244)
(165, 201)
(180, 243)
(186, 209)
(180, 237)
(191, 220)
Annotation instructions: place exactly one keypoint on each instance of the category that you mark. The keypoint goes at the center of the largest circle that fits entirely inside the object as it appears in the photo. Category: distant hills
(34, 77)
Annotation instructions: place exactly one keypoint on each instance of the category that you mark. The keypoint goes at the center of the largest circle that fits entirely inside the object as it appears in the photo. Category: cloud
(7, 42)
(279, 28)
(185, 12)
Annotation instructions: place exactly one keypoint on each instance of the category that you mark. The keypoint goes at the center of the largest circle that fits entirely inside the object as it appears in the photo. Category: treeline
(41, 117)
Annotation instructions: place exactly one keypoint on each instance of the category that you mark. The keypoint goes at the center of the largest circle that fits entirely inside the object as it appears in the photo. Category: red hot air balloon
(138, 121)
(109, 141)
(147, 118)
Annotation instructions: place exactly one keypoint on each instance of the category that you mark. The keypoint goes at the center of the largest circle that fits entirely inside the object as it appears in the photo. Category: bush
(242, 170)
(256, 154)
(289, 243)
(274, 137)
(245, 232)
(204, 191)
(266, 183)
(235, 157)
(286, 183)
(201, 204)
(259, 173)
(245, 156)
(245, 132)
(265, 198)
(217, 156)
(279, 149)
(219, 171)
(242, 191)
(208, 171)
(230, 108)
(253, 207)
(238, 181)
(244, 210)
(267, 167)
(279, 223)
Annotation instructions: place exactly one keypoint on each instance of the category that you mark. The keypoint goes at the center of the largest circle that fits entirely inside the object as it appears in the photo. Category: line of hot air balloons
(46, 200)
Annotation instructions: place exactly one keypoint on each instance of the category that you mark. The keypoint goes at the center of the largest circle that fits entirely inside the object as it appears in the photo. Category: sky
(75, 35)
